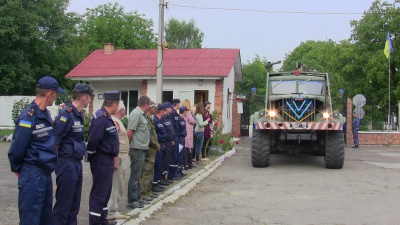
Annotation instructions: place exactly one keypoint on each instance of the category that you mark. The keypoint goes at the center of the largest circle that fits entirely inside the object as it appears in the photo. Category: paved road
(294, 190)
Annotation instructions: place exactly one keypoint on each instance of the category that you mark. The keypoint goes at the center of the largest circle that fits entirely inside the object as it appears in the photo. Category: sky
(268, 28)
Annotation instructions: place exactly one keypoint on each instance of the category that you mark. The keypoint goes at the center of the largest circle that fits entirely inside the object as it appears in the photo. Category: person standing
(207, 130)
(169, 143)
(102, 148)
(190, 122)
(139, 137)
(174, 117)
(354, 128)
(199, 130)
(148, 168)
(162, 138)
(70, 143)
(121, 164)
(33, 155)
(182, 136)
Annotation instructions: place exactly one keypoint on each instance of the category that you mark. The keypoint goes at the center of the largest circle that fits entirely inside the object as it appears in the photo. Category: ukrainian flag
(24, 123)
(388, 46)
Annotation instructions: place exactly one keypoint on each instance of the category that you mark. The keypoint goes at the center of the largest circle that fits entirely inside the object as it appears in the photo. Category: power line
(271, 12)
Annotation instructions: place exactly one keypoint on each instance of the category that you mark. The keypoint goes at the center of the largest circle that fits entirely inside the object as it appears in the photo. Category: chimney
(108, 48)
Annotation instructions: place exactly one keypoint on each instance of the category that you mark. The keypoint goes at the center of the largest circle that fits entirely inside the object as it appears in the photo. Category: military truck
(298, 119)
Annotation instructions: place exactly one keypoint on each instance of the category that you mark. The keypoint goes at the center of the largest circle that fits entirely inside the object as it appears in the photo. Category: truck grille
(298, 110)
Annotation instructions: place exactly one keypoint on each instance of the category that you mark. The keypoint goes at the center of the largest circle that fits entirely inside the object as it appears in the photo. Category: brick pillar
(219, 95)
(349, 120)
(144, 88)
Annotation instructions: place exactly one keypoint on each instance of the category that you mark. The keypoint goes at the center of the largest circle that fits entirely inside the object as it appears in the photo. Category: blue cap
(182, 109)
(167, 105)
(111, 95)
(160, 107)
(83, 89)
(49, 83)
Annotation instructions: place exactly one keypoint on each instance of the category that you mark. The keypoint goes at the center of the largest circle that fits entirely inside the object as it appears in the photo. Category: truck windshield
(312, 87)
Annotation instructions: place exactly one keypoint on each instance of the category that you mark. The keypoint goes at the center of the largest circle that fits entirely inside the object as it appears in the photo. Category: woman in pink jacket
(190, 122)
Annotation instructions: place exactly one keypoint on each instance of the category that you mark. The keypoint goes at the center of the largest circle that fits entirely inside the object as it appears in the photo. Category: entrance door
(200, 96)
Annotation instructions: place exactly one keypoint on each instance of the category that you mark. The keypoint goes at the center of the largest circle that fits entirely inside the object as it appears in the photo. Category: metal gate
(245, 119)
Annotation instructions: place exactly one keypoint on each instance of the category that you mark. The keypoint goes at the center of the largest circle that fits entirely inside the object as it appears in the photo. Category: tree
(109, 23)
(36, 39)
(254, 76)
(182, 34)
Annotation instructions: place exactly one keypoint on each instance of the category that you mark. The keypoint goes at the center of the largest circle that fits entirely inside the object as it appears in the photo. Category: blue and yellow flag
(388, 46)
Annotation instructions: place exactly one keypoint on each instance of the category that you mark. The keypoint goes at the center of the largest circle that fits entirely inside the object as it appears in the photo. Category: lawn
(6, 132)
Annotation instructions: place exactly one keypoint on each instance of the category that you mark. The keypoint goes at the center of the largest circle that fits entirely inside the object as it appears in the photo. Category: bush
(225, 141)
(19, 107)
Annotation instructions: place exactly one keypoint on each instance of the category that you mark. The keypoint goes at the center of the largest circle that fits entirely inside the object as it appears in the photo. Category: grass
(6, 132)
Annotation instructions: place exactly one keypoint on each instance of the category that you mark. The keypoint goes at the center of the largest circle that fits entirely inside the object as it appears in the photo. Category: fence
(7, 102)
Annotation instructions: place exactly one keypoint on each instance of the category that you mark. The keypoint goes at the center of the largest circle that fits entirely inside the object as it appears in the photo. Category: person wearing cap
(121, 166)
(207, 130)
(102, 148)
(355, 126)
(182, 136)
(33, 155)
(173, 164)
(169, 143)
(161, 132)
(146, 183)
(71, 147)
(139, 137)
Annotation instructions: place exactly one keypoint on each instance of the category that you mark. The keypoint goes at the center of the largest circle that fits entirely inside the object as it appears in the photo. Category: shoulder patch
(105, 114)
(24, 123)
(69, 109)
(63, 119)
(31, 112)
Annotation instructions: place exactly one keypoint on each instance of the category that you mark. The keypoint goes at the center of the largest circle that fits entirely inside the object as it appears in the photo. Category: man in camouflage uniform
(146, 182)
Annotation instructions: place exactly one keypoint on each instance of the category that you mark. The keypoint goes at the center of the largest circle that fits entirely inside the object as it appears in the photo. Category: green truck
(298, 119)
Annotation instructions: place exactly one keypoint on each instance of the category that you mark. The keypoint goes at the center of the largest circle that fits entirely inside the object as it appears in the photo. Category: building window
(130, 99)
(200, 96)
(167, 96)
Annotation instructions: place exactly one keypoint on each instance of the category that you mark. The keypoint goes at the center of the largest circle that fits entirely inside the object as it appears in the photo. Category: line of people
(159, 140)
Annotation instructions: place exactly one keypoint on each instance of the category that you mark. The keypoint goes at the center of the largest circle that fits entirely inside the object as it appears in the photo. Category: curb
(174, 193)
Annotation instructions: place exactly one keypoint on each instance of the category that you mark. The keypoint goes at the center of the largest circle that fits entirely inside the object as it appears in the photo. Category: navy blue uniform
(173, 164)
(69, 135)
(355, 126)
(102, 147)
(162, 138)
(168, 143)
(33, 156)
(182, 135)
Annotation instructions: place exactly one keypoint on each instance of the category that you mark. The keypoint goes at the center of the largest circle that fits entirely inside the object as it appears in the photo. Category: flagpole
(389, 96)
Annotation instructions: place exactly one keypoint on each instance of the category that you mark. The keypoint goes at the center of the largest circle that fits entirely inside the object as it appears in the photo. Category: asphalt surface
(293, 190)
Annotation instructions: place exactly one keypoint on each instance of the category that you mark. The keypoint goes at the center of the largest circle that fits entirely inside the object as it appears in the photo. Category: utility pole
(160, 53)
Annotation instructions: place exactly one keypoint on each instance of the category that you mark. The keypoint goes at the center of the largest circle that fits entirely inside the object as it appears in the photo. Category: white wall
(7, 103)
(229, 82)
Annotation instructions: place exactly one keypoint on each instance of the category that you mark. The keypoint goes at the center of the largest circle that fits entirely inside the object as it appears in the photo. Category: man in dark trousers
(162, 138)
(102, 147)
(169, 140)
(354, 128)
(174, 117)
(70, 143)
(33, 155)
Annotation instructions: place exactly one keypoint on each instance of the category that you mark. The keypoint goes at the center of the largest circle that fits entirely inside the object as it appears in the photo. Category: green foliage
(182, 34)
(109, 23)
(225, 141)
(86, 126)
(254, 75)
(19, 107)
(6, 132)
(65, 98)
(124, 121)
(37, 38)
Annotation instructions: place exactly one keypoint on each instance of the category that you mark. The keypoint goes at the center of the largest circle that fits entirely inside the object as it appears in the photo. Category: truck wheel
(334, 150)
(260, 148)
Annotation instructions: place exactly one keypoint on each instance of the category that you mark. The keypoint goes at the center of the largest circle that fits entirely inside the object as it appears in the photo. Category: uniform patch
(63, 118)
(24, 123)
(39, 126)
(77, 123)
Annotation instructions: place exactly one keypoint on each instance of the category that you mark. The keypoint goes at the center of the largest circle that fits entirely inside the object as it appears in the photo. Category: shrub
(225, 141)
(19, 107)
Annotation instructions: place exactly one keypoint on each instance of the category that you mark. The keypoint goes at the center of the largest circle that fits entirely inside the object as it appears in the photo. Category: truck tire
(334, 150)
(260, 148)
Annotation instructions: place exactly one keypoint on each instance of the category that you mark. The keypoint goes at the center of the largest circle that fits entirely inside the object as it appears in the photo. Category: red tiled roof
(177, 62)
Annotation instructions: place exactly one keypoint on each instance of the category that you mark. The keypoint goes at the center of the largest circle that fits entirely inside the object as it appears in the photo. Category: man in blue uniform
(71, 146)
(33, 155)
(169, 140)
(174, 117)
(354, 128)
(182, 135)
(162, 138)
(102, 147)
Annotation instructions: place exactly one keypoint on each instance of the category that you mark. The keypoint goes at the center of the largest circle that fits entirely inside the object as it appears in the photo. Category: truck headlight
(325, 115)
(272, 113)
